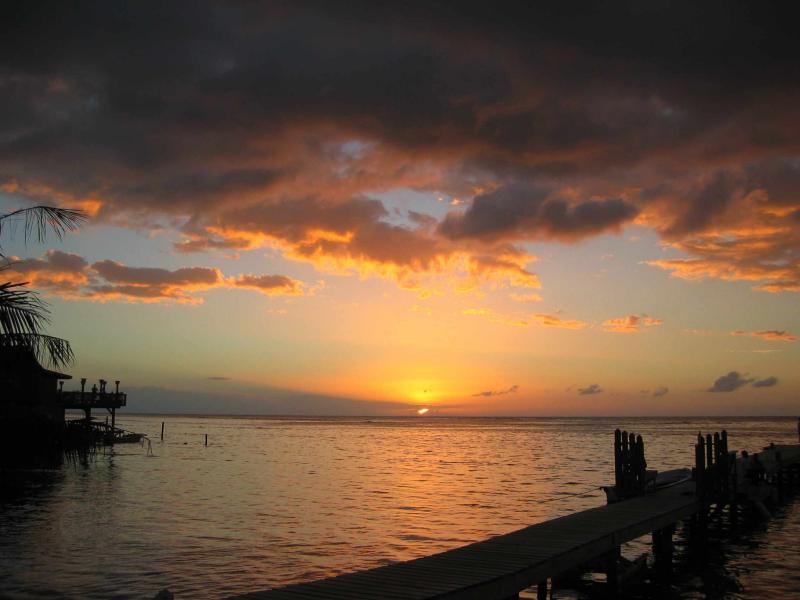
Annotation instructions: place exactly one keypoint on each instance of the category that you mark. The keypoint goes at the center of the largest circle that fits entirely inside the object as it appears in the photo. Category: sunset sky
(296, 208)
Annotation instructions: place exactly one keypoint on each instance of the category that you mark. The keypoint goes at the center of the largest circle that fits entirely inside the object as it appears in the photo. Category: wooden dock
(500, 567)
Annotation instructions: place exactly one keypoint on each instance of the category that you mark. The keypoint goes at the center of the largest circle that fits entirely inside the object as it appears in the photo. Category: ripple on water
(272, 501)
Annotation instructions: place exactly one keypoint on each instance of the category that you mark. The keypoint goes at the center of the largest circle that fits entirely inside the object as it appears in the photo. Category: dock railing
(77, 399)
(630, 466)
(714, 471)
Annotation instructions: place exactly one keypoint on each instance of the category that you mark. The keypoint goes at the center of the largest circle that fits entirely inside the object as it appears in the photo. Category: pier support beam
(612, 570)
(663, 548)
(541, 590)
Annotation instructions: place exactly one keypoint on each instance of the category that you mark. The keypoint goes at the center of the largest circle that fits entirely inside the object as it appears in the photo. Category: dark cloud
(273, 122)
(270, 284)
(116, 272)
(527, 212)
(773, 335)
(589, 390)
(70, 276)
(53, 260)
(729, 383)
(766, 382)
(490, 393)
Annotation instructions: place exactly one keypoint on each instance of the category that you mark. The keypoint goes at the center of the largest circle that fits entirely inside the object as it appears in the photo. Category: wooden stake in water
(162, 431)
(206, 439)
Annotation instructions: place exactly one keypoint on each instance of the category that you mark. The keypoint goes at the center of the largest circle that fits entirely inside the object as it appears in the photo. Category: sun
(423, 411)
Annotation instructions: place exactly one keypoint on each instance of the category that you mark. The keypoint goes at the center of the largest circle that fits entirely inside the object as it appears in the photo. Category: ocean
(277, 500)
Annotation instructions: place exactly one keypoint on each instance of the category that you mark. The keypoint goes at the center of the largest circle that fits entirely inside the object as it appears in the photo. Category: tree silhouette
(23, 314)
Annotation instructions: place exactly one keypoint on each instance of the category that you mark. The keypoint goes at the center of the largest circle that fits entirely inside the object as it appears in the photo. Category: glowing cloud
(630, 323)
(772, 335)
(554, 321)
(70, 276)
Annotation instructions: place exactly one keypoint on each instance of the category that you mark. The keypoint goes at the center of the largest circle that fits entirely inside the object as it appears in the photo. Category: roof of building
(23, 358)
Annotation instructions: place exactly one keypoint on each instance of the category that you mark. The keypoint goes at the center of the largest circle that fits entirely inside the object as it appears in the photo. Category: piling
(162, 431)
(541, 590)
(206, 440)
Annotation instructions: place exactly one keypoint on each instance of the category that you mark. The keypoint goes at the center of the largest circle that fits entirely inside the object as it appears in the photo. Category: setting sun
(423, 411)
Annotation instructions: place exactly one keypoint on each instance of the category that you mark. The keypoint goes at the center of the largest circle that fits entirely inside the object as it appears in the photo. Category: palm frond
(39, 219)
(21, 309)
(47, 349)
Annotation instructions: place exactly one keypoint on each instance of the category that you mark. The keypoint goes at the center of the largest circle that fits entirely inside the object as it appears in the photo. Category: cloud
(630, 323)
(270, 285)
(72, 277)
(772, 335)
(766, 382)
(660, 391)
(529, 212)
(490, 393)
(729, 383)
(590, 390)
(553, 321)
(59, 272)
(633, 117)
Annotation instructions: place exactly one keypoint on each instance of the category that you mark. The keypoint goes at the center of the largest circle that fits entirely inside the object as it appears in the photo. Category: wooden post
(162, 431)
(726, 467)
(641, 466)
(541, 589)
(709, 465)
(206, 440)
(113, 419)
(700, 468)
(612, 572)
(717, 463)
(624, 465)
(617, 462)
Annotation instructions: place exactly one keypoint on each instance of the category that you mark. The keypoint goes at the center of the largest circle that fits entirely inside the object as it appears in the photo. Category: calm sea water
(276, 500)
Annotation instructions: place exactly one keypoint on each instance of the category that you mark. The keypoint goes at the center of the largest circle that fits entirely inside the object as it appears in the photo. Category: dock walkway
(641, 502)
(502, 566)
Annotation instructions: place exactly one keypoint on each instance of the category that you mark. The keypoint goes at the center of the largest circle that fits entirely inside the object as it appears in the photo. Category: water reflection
(270, 501)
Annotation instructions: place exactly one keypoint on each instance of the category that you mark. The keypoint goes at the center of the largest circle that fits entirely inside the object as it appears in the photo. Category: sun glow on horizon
(423, 411)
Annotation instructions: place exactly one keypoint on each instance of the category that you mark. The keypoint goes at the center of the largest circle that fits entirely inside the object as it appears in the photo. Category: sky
(309, 208)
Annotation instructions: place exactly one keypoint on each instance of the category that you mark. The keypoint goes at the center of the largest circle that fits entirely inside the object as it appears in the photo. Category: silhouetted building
(27, 389)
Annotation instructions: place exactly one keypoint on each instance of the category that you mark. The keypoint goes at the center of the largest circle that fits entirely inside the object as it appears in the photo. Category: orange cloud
(554, 321)
(630, 323)
(70, 276)
(59, 272)
(533, 150)
(772, 335)
(271, 285)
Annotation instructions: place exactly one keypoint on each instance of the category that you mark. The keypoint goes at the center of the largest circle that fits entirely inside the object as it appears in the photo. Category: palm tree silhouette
(23, 314)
